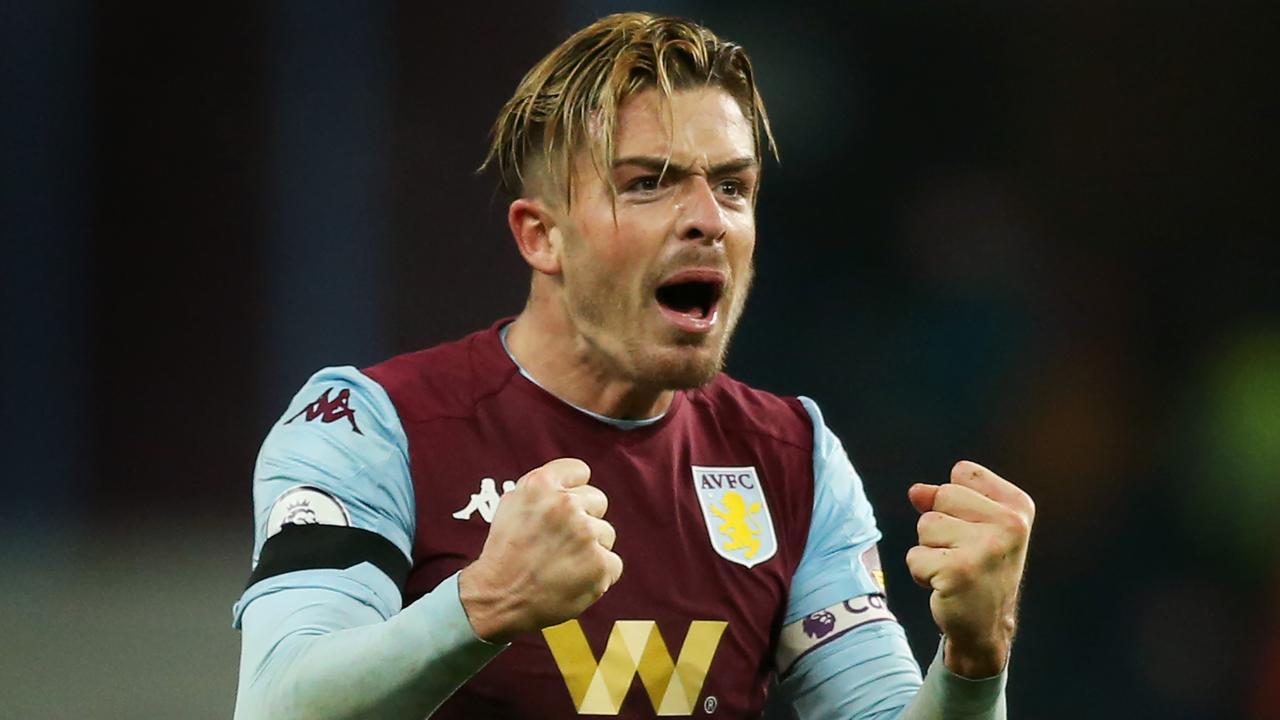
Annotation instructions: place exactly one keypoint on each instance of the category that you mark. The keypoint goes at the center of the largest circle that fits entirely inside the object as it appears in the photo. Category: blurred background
(1040, 235)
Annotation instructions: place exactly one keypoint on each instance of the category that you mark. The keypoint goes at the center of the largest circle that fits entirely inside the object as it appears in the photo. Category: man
(658, 520)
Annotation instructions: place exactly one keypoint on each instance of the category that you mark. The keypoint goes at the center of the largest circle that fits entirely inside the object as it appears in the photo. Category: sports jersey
(746, 536)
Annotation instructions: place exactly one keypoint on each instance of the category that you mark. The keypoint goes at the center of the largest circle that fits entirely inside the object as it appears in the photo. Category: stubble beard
(601, 316)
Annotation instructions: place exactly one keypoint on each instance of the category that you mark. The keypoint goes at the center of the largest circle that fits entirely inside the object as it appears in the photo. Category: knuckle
(994, 548)
(581, 532)
(928, 520)
(1022, 525)
(945, 584)
(965, 471)
(564, 501)
(1017, 523)
(561, 508)
(572, 467)
(1029, 504)
(599, 568)
(534, 479)
(946, 493)
(962, 571)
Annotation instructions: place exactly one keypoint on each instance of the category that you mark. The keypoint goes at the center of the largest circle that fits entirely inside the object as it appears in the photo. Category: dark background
(1039, 235)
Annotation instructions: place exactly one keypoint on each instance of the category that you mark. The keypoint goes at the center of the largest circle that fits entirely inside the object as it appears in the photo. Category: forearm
(308, 661)
(868, 673)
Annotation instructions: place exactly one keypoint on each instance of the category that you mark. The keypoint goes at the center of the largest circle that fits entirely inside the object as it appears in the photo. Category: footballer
(574, 511)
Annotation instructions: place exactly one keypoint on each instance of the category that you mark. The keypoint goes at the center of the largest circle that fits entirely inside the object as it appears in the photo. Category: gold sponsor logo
(634, 647)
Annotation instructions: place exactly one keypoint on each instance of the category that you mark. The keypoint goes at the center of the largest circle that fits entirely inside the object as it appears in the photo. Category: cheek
(621, 247)
(742, 242)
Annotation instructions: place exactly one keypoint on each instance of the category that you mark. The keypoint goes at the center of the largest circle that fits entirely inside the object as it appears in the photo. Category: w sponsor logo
(635, 646)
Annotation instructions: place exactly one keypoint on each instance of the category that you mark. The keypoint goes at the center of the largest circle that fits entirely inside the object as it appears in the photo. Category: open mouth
(691, 299)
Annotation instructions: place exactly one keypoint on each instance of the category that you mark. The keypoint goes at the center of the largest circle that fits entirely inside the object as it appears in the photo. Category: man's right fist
(549, 554)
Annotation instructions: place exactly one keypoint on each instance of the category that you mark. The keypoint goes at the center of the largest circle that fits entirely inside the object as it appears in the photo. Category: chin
(680, 368)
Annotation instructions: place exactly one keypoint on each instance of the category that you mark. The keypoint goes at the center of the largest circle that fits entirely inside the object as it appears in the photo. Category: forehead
(696, 127)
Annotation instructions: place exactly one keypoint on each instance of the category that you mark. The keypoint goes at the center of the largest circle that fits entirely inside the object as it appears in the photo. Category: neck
(573, 369)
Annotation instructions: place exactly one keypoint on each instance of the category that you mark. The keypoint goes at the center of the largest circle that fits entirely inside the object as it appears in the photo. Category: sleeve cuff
(962, 696)
(441, 615)
(459, 613)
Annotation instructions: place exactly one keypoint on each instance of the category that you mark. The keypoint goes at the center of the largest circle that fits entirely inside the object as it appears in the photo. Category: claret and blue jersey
(747, 539)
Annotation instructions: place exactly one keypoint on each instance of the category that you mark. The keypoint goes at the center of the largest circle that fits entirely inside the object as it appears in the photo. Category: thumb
(922, 496)
(569, 472)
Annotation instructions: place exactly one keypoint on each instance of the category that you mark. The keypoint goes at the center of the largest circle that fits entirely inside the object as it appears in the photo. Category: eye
(732, 187)
(644, 184)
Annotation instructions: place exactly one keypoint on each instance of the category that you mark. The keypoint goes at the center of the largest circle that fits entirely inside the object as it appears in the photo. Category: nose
(701, 217)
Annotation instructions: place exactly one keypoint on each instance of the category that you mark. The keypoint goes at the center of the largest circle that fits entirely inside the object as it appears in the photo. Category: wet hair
(570, 99)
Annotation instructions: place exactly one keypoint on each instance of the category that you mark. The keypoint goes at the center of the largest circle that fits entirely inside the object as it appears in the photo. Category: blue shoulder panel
(842, 528)
(338, 455)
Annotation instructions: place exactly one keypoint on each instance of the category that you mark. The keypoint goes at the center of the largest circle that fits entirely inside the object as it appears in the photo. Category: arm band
(315, 547)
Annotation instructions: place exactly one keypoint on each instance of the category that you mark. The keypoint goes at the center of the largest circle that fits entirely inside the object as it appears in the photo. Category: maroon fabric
(469, 414)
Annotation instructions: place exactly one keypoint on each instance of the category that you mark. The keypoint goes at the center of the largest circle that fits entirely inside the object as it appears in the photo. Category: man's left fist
(973, 543)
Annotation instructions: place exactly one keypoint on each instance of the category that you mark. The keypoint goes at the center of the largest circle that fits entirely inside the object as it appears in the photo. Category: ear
(533, 226)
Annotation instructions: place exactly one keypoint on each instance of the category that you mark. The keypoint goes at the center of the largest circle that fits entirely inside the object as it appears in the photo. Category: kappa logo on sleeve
(328, 410)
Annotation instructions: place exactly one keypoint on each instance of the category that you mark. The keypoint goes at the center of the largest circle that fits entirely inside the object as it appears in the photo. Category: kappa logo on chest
(736, 513)
(485, 501)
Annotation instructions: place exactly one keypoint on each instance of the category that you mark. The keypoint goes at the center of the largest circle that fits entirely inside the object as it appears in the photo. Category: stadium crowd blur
(1040, 236)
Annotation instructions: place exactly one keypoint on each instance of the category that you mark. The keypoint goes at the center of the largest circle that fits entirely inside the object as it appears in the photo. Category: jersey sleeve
(839, 560)
(841, 652)
(332, 491)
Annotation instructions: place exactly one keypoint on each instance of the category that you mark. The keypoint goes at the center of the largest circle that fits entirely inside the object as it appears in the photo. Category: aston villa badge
(736, 512)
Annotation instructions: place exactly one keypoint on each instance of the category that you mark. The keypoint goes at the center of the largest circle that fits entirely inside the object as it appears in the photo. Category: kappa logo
(634, 647)
(328, 411)
(736, 513)
(485, 502)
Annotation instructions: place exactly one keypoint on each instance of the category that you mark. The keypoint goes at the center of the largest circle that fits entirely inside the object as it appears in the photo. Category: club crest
(736, 513)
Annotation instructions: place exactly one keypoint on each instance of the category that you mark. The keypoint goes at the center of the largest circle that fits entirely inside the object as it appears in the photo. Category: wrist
(487, 609)
(975, 660)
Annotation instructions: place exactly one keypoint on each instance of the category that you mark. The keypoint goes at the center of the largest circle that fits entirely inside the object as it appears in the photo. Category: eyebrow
(661, 164)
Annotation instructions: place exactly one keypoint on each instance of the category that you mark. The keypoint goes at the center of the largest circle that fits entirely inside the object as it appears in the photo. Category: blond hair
(575, 92)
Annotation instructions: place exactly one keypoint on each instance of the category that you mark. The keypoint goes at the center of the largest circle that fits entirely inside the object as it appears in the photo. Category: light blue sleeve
(335, 643)
(320, 654)
(842, 529)
(340, 436)
(842, 653)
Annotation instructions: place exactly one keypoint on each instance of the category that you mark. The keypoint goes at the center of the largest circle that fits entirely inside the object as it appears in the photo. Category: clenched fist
(548, 555)
(973, 544)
